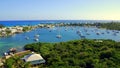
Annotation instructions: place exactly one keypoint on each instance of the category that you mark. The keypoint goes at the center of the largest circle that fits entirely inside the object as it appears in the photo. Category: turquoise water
(67, 33)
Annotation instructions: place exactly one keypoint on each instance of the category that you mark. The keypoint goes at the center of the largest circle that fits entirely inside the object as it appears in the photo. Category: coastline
(8, 31)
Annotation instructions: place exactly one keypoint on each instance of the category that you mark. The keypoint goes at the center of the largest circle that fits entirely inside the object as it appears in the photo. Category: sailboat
(36, 39)
(27, 38)
(58, 35)
(36, 36)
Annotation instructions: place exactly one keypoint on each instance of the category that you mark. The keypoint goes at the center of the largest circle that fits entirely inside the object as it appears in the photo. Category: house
(33, 58)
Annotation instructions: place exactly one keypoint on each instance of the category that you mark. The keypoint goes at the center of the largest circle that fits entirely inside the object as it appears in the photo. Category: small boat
(5, 53)
(65, 29)
(102, 33)
(114, 34)
(83, 37)
(108, 32)
(37, 35)
(50, 30)
(117, 32)
(58, 36)
(78, 32)
(27, 38)
(98, 33)
(87, 33)
(36, 39)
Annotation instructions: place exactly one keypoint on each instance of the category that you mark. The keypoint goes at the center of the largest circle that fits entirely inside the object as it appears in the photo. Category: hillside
(79, 54)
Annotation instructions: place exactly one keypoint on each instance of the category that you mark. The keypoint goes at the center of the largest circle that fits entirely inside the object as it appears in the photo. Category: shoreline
(8, 31)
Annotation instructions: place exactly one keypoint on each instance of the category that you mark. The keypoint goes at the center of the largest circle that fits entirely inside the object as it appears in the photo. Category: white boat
(5, 54)
(27, 38)
(37, 35)
(65, 29)
(36, 39)
(58, 36)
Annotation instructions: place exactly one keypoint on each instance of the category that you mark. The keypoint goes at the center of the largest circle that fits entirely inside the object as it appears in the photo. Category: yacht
(37, 35)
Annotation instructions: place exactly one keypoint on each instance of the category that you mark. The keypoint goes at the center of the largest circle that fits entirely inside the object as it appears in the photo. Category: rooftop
(32, 57)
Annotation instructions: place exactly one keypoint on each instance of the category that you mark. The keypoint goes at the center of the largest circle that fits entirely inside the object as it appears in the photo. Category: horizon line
(61, 20)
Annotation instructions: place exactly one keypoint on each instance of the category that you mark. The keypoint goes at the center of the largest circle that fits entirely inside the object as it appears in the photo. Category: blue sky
(59, 9)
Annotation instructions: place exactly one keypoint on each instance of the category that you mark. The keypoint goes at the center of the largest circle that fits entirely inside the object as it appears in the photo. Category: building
(33, 59)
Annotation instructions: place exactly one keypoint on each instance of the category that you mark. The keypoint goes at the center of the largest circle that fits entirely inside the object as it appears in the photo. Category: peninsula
(8, 31)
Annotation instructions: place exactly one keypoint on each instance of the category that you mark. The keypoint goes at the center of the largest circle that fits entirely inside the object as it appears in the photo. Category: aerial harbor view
(59, 34)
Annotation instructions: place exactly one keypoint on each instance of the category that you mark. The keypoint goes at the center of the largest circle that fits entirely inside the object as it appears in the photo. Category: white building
(34, 58)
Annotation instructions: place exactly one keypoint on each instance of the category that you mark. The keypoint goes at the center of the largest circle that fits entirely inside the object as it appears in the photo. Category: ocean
(35, 22)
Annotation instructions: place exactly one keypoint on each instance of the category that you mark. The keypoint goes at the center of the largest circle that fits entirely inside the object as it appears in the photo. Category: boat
(36, 39)
(102, 33)
(58, 36)
(78, 32)
(65, 29)
(5, 54)
(83, 37)
(114, 34)
(87, 33)
(27, 38)
(37, 36)
(108, 32)
(98, 33)
(10, 52)
(50, 30)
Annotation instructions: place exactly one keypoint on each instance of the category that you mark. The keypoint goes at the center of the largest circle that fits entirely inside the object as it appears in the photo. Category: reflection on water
(49, 35)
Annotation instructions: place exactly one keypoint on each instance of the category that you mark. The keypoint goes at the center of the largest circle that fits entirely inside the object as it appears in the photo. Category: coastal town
(8, 31)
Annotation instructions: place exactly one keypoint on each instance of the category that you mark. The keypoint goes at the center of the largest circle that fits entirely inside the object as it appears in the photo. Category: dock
(2, 59)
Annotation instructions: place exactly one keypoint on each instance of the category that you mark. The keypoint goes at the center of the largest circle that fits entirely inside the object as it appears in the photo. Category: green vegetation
(8, 31)
(111, 26)
(79, 54)
(27, 28)
(1, 26)
(16, 62)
